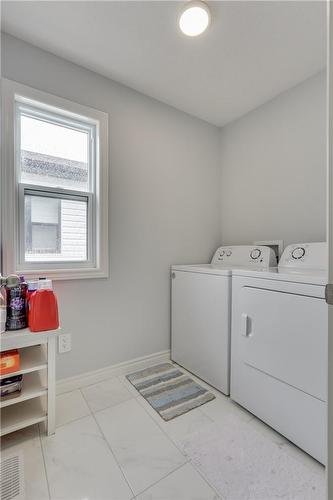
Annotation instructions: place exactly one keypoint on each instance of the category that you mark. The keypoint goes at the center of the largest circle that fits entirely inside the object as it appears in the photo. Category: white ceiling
(253, 50)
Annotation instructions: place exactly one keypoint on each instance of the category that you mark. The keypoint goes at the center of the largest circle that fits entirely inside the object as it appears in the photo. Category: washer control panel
(245, 255)
(305, 256)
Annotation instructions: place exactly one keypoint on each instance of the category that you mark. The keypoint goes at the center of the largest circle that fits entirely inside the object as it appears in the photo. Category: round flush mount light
(194, 18)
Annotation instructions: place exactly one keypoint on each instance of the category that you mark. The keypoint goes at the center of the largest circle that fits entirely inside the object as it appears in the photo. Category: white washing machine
(201, 311)
(279, 345)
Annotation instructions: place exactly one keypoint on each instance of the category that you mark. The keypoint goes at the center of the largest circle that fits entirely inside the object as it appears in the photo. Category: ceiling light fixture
(194, 18)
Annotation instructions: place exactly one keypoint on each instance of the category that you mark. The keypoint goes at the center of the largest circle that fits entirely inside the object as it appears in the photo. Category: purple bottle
(17, 311)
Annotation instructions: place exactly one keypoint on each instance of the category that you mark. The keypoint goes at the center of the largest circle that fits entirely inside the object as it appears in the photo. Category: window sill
(63, 274)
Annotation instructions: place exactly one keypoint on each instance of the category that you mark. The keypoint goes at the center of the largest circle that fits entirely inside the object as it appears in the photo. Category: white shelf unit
(22, 415)
(32, 387)
(32, 359)
(36, 402)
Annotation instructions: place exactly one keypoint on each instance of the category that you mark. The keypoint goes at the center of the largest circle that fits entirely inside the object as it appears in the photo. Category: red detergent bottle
(43, 310)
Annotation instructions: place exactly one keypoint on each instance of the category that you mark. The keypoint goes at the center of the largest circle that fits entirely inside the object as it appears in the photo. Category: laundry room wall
(164, 209)
(273, 163)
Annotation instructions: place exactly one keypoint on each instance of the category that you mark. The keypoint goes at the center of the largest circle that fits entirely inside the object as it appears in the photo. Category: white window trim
(10, 188)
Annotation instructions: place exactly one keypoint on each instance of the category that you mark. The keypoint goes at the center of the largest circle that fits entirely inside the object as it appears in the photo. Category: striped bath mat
(168, 390)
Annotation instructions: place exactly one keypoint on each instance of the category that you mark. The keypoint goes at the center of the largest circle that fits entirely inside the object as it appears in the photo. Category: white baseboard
(89, 378)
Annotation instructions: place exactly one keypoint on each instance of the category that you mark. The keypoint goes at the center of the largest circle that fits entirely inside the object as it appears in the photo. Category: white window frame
(15, 95)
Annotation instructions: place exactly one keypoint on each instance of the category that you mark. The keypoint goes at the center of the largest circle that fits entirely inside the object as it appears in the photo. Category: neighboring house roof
(52, 166)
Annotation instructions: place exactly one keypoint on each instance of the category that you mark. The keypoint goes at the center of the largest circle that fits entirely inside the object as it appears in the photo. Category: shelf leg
(51, 384)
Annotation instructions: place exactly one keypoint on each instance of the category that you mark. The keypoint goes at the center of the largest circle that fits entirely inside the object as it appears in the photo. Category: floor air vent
(12, 477)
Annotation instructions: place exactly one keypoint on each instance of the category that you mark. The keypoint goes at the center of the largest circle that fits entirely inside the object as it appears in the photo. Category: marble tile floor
(111, 445)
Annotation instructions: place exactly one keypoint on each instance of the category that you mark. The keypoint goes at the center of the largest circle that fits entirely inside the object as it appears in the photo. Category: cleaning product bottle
(16, 294)
(43, 311)
(32, 287)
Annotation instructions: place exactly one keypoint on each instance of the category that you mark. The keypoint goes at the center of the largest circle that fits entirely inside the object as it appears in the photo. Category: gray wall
(273, 163)
(168, 203)
(164, 209)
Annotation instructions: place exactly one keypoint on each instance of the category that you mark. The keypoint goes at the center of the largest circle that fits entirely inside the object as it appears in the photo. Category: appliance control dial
(222, 253)
(255, 254)
(228, 253)
(298, 253)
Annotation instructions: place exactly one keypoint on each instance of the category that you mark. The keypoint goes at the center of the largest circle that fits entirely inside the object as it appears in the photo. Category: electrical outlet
(64, 342)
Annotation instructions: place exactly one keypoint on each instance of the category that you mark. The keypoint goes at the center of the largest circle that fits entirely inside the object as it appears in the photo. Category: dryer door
(286, 338)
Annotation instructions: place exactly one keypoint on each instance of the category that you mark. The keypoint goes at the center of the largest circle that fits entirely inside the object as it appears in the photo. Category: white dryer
(279, 345)
(201, 311)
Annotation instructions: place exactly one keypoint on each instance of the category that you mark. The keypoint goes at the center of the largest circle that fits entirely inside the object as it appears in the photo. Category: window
(58, 176)
(56, 173)
(55, 228)
(42, 227)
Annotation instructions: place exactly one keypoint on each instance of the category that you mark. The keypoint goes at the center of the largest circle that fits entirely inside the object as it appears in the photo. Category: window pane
(55, 229)
(44, 210)
(44, 239)
(53, 155)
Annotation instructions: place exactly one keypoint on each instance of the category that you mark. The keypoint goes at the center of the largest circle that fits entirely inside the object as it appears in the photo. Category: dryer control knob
(298, 253)
(228, 253)
(255, 254)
